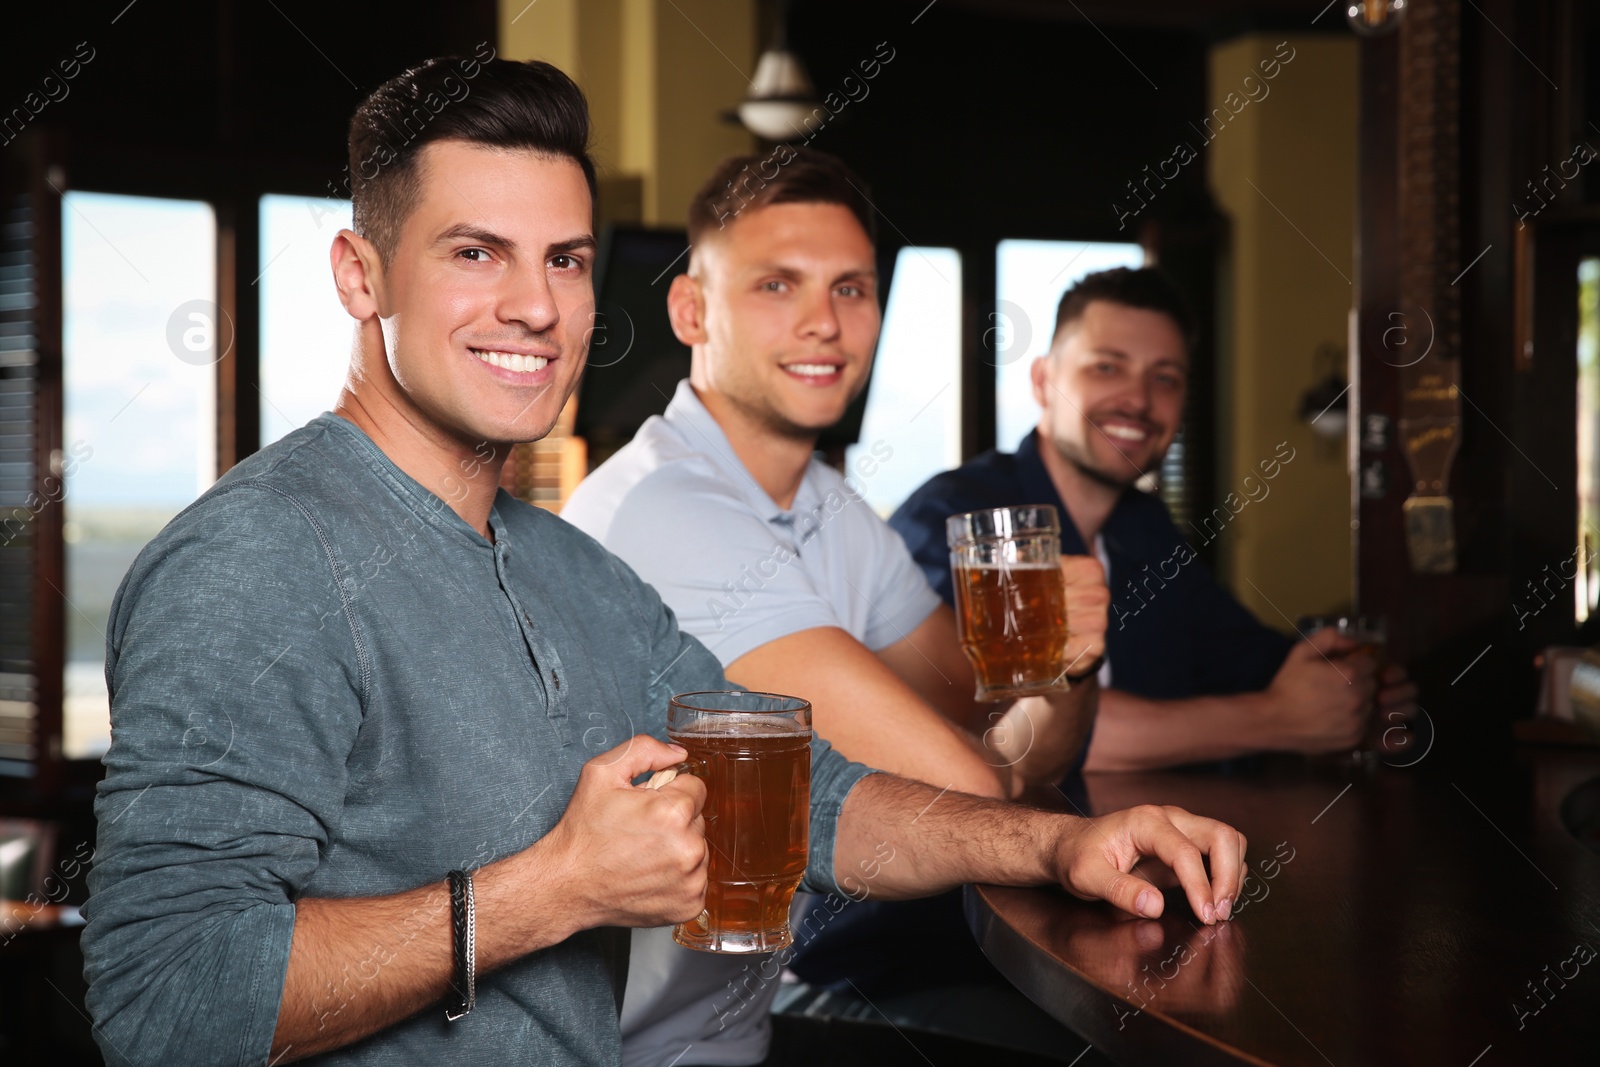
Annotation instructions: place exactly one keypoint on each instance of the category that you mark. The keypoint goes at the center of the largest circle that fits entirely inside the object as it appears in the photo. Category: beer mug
(1011, 599)
(753, 752)
(1371, 634)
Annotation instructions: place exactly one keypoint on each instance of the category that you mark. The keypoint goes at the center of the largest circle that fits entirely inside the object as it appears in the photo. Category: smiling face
(487, 304)
(1112, 389)
(781, 308)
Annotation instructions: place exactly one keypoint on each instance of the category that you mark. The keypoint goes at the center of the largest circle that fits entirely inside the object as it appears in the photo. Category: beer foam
(1030, 566)
(735, 724)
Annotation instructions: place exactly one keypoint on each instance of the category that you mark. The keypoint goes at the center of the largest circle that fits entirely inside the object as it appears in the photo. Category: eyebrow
(584, 243)
(870, 273)
(1117, 353)
(470, 232)
(478, 235)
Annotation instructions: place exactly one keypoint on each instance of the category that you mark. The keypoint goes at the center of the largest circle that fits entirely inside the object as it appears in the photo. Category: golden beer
(1011, 599)
(1013, 623)
(753, 752)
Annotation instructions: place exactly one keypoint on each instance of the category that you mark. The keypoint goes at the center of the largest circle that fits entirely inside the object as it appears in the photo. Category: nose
(527, 298)
(1136, 401)
(818, 319)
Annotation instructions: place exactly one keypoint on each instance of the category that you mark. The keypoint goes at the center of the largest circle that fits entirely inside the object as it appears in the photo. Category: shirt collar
(413, 496)
(1125, 532)
(687, 414)
(1035, 479)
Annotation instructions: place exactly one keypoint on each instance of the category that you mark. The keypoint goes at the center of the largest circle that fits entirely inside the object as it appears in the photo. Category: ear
(1039, 375)
(686, 308)
(357, 274)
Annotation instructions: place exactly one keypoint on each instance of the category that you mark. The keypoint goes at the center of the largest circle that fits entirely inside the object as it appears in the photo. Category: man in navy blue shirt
(1190, 675)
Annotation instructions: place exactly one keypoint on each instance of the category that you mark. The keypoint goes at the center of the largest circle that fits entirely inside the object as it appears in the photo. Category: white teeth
(513, 361)
(1126, 433)
(811, 370)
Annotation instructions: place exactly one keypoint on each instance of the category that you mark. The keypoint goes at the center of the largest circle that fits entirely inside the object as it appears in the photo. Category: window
(1587, 585)
(1030, 277)
(911, 429)
(139, 331)
(305, 332)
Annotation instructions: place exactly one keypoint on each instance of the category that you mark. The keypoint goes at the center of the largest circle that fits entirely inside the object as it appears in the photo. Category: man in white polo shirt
(774, 561)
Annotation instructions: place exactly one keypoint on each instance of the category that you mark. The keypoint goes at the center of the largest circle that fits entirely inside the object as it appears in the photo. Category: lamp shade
(781, 97)
(779, 73)
(1326, 406)
(776, 120)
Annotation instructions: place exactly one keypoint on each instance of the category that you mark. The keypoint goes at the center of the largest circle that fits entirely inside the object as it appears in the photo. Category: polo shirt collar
(687, 414)
(1035, 479)
(1125, 532)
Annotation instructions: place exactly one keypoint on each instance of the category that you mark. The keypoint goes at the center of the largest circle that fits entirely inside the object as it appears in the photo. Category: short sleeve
(920, 522)
(679, 663)
(729, 576)
(901, 597)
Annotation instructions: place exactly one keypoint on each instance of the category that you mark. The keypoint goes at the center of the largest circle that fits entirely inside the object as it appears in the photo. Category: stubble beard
(520, 433)
(1081, 462)
(765, 414)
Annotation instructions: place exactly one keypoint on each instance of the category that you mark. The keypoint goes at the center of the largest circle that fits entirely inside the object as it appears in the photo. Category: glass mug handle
(662, 777)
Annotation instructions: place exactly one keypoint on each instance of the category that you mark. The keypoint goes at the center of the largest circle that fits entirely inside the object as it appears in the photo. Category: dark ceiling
(1202, 15)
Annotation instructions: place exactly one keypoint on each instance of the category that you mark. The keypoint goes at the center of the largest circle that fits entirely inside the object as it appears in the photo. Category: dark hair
(1146, 288)
(786, 175)
(493, 102)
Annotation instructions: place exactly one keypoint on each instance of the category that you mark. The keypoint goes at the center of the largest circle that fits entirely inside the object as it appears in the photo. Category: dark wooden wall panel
(1513, 480)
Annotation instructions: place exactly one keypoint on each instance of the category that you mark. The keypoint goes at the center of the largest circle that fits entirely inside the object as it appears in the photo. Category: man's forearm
(898, 838)
(1132, 733)
(359, 965)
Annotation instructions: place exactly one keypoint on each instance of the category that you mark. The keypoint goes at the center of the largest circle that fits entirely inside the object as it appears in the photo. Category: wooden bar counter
(1393, 916)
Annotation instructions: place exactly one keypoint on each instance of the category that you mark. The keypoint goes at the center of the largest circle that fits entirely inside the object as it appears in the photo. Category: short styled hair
(531, 106)
(1145, 288)
(785, 175)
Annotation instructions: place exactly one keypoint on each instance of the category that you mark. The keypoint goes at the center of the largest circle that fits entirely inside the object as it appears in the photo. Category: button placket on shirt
(784, 520)
(544, 661)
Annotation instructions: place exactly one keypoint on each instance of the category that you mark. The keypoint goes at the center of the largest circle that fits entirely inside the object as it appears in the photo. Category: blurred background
(1380, 211)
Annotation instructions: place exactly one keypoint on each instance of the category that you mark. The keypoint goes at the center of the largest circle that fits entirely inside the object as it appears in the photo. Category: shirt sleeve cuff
(738, 640)
(887, 628)
(832, 779)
